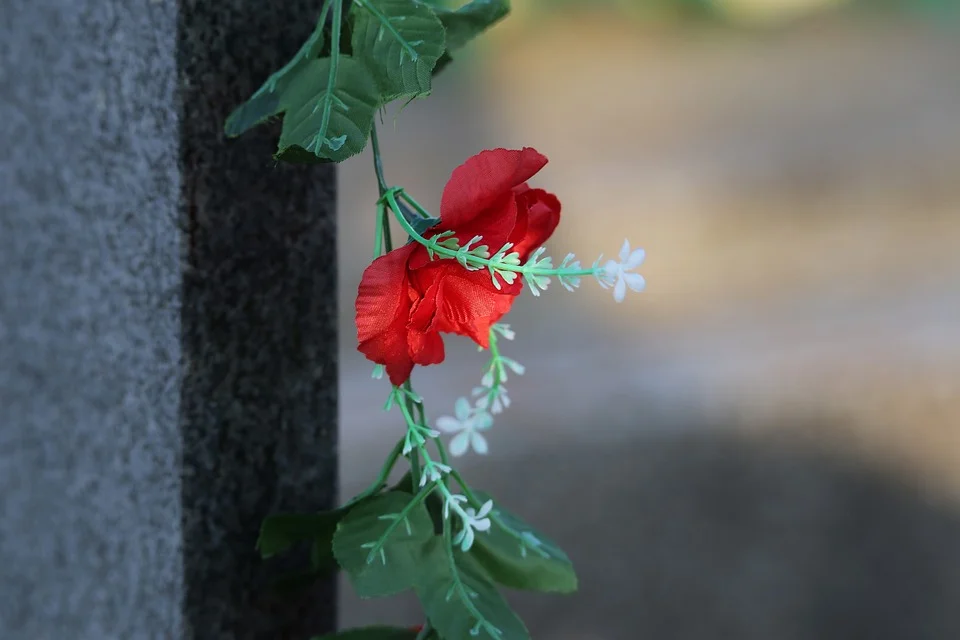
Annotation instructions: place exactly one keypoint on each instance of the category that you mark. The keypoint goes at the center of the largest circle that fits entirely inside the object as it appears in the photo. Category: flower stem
(321, 135)
(383, 218)
(377, 160)
(405, 405)
(526, 269)
(381, 480)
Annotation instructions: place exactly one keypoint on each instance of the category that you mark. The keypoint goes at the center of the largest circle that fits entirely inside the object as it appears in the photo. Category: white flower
(467, 424)
(504, 330)
(492, 400)
(452, 500)
(617, 274)
(433, 472)
(473, 521)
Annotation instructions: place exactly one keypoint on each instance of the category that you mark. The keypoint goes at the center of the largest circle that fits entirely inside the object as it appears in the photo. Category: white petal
(625, 251)
(635, 281)
(462, 409)
(611, 269)
(505, 399)
(459, 444)
(482, 421)
(485, 508)
(635, 259)
(449, 425)
(467, 539)
(479, 443)
(515, 366)
(620, 290)
(482, 525)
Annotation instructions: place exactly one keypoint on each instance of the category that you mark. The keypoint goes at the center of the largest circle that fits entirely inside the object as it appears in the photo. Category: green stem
(388, 26)
(321, 135)
(378, 231)
(390, 197)
(381, 480)
(383, 224)
(458, 585)
(413, 504)
(377, 160)
(405, 405)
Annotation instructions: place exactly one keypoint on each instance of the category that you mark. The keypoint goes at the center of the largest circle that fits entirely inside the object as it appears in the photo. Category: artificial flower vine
(456, 273)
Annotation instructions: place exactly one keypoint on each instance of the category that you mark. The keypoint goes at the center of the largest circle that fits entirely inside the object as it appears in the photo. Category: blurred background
(766, 443)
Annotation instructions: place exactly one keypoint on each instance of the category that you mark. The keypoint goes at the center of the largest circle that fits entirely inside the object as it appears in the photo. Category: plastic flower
(467, 424)
(473, 521)
(617, 274)
(406, 299)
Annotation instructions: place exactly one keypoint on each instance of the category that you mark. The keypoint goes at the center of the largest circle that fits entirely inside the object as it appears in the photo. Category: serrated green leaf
(371, 633)
(400, 41)
(281, 531)
(461, 599)
(470, 20)
(380, 550)
(517, 556)
(327, 121)
(266, 102)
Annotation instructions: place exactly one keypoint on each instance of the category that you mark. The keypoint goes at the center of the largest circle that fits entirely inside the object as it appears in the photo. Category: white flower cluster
(618, 274)
(490, 398)
(470, 519)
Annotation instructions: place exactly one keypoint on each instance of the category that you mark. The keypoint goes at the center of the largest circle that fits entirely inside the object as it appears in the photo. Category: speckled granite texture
(167, 323)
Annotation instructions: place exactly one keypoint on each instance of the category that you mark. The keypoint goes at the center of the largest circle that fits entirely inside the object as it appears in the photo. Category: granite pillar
(168, 370)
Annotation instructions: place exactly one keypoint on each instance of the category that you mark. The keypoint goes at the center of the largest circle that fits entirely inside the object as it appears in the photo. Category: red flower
(406, 300)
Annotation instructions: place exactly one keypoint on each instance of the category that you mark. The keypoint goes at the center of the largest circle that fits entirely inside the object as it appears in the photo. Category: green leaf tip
(519, 557)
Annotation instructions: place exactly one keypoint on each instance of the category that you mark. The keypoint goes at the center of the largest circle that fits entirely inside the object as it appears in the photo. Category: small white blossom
(492, 400)
(378, 372)
(452, 501)
(617, 274)
(467, 424)
(505, 331)
(473, 521)
(433, 472)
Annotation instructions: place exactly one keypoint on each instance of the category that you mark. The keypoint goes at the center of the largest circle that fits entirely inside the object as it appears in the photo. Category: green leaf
(400, 41)
(470, 20)
(460, 599)
(327, 115)
(280, 532)
(517, 556)
(379, 543)
(266, 102)
(371, 633)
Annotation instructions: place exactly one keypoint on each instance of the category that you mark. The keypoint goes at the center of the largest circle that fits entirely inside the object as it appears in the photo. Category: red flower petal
(383, 308)
(482, 180)
(541, 220)
(468, 307)
(494, 226)
(423, 340)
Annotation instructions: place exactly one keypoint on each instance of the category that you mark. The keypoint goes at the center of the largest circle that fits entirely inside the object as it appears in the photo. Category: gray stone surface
(167, 323)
